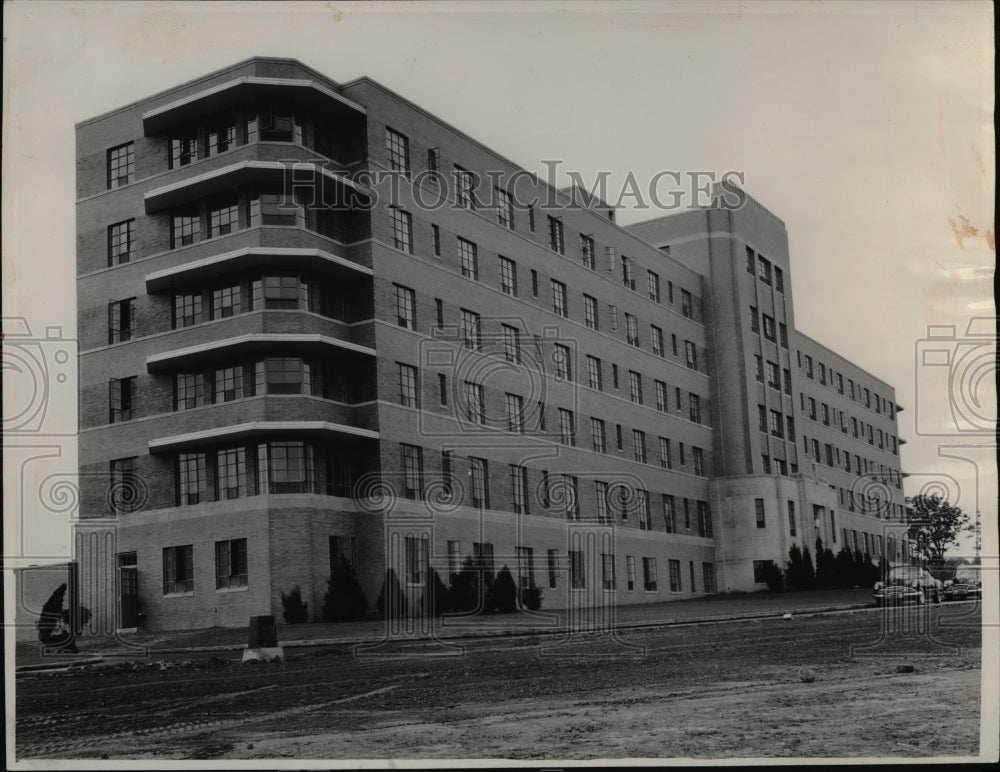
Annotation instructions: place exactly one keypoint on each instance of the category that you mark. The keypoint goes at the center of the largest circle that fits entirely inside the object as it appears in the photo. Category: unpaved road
(720, 690)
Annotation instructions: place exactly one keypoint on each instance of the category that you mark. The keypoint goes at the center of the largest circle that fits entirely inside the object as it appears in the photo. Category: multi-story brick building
(318, 322)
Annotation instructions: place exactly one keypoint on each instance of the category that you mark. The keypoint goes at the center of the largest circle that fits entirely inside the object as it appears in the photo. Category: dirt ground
(858, 684)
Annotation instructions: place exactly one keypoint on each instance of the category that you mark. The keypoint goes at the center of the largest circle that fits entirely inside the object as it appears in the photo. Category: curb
(45, 666)
(480, 634)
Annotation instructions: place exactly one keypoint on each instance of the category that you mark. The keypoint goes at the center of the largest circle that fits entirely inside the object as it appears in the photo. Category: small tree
(826, 571)
(294, 611)
(795, 569)
(504, 592)
(344, 601)
(391, 601)
(772, 576)
(933, 525)
(808, 572)
(466, 591)
(52, 626)
(436, 599)
(845, 568)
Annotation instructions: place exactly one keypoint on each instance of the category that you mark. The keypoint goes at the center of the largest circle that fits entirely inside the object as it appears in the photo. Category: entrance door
(128, 591)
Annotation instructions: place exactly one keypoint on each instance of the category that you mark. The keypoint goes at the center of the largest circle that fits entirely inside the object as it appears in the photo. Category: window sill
(244, 588)
(178, 594)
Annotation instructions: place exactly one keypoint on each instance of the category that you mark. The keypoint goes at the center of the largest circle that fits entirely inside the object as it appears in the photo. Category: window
(788, 380)
(708, 576)
(754, 321)
(649, 574)
(687, 304)
(416, 559)
(764, 269)
(635, 387)
(613, 311)
(751, 262)
(122, 398)
(577, 577)
(223, 219)
(665, 461)
(779, 280)
(471, 331)
(556, 235)
(768, 327)
(630, 572)
(121, 237)
(189, 391)
(508, 276)
(448, 471)
(639, 445)
(812, 408)
(680, 453)
(511, 343)
(284, 467)
(563, 363)
(765, 461)
(669, 513)
(121, 315)
(597, 435)
(534, 283)
(791, 518)
(567, 428)
(192, 478)
(607, 571)
(519, 485)
(230, 474)
(570, 487)
(230, 564)
(398, 150)
(595, 373)
(187, 310)
(601, 501)
(777, 424)
(758, 505)
(631, 330)
(402, 229)
(674, 567)
(406, 307)
(553, 562)
(760, 568)
(407, 385)
(480, 483)
(515, 413)
(284, 291)
(505, 208)
(178, 570)
(618, 437)
(791, 428)
(454, 557)
(694, 408)
(628, 276)
(704, 523)
(468, 259)
(465, 183)
(525, 567)
(433, 159)
(121, 165)
(773, 378)
(284, 375)
(590, 312)
(661, 396)
(653, 280)
(558, 298)
(475, 407)
(698, 456)
(783, 335)
(123, 484)
(656, 334)
(642, 504)
(185, 229)
(691, 352)
(587, 251)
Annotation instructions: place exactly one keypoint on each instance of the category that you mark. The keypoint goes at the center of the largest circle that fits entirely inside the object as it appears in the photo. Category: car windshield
(967, 575)
(904, 575)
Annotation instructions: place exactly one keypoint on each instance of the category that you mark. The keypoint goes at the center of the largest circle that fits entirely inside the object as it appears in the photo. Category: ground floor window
(178, 569)
(578, 580)
(708, 576)
(674, 566)
(553, 561)
(630, 571)
(649, 574)
(230, 564)
(760, 571)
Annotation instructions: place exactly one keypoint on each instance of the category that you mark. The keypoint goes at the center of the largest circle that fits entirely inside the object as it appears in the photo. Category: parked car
(908, 583)
(968, 583)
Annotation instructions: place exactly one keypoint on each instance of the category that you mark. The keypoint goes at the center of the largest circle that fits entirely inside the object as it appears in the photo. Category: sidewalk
(707, 609)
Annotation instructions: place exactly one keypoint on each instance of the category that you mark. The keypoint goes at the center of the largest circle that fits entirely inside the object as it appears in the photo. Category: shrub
(808, 572)
(295, 611)
(795, 569)
(531, 598)
(51, 624)
(391, 601)
(344, 601)
(826, 569)
(772, 576)
(504, 593)
(845, 568)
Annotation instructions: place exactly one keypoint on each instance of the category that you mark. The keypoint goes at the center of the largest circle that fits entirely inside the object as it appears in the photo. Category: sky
(867, 127)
